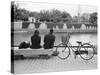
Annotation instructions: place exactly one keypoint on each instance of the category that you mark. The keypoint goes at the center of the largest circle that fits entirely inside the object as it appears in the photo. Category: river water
(84, 37)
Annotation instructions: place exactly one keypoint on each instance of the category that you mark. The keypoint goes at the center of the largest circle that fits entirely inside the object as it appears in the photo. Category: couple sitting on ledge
(49, 40)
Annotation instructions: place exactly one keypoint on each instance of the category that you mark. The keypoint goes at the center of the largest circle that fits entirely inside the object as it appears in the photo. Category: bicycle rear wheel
(64, 51)
(86, 51)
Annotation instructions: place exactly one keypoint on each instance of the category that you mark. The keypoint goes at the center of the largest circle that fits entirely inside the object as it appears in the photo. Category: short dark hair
(51, 30)
(36, 32)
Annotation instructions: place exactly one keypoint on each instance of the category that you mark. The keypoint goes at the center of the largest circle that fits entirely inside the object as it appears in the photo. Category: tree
(93, 18)
(66, 17)
(75, 19)
(44, 15)
(85, 18)
(14, 9)
(18, 13)
(54, 15)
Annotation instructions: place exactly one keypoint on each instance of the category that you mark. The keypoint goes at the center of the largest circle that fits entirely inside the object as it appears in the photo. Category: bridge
(49, 25)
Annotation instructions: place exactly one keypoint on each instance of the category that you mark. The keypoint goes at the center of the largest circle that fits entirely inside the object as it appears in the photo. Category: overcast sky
(70, 8)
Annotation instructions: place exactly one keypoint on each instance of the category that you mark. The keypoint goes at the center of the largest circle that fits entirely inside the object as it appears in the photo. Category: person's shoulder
(32, 36)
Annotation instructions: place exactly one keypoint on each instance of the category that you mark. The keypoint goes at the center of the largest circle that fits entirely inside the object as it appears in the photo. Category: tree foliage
(53, 15)
(18, 13)
(93, 18)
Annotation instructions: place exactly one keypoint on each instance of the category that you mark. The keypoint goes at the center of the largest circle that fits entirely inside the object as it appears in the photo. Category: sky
(73, 9)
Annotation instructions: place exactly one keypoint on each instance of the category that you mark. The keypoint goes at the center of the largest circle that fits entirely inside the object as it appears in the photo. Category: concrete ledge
(32, 52)
(36, 53)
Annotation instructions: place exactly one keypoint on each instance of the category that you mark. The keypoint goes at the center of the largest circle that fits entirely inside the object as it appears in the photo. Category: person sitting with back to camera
(35, 40)
(49, 40)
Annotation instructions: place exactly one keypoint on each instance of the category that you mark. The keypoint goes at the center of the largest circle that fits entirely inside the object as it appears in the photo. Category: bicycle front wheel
(86, 51)
(63, 51)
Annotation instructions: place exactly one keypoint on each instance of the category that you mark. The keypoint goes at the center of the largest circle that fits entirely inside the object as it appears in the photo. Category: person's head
(36, 32)
(51, 31)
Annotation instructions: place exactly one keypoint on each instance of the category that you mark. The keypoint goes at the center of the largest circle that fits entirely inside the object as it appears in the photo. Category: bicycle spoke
(63, 51)
(86, 51)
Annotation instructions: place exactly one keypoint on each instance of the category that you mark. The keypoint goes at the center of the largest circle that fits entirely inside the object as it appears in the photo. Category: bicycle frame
(73, 49)
(69, 45)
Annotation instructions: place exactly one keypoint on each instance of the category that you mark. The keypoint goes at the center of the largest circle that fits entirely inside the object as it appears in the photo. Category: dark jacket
(35, 40)
(49, 40)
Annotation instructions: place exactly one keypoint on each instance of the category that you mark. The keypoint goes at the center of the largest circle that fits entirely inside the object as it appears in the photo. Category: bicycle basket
(65, 39)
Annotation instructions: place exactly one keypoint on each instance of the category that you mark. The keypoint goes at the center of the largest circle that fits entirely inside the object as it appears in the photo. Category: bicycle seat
(79, 42)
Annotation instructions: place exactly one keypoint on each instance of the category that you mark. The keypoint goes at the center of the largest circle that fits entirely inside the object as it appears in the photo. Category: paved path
(53, 64)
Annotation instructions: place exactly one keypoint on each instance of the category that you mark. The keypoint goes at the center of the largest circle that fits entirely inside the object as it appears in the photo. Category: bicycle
(85, 50)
